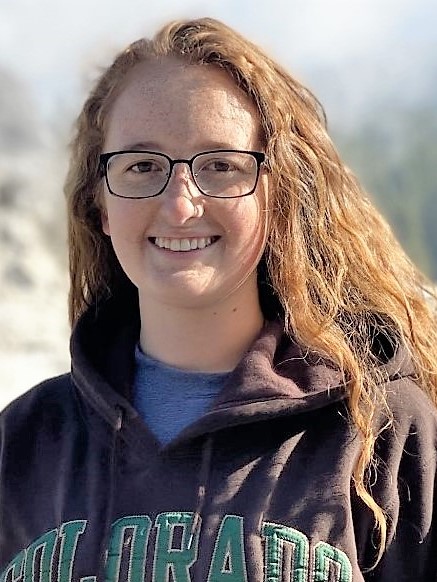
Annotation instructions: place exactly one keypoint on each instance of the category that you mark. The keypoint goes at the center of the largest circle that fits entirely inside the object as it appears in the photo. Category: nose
(181, 200)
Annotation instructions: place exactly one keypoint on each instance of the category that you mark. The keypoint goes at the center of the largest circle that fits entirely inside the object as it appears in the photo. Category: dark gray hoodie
(258, 489)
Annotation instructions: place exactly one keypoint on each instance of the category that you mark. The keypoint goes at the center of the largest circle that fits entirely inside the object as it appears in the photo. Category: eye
(145, 166)
(218, 165)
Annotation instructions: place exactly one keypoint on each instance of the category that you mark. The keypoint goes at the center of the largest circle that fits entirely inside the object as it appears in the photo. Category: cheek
(248, 229)
(122, 218)
(252, 217)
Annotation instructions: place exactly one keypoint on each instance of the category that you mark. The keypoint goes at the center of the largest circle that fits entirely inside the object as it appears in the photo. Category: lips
(183, 244)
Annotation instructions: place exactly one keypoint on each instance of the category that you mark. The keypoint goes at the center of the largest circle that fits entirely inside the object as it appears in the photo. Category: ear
(105, 221)
(265, 181)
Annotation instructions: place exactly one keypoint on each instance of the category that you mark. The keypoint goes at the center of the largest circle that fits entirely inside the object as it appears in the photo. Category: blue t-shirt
(168, 398)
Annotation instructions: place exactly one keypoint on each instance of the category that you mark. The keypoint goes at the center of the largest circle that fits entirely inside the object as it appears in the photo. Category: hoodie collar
(274, 378)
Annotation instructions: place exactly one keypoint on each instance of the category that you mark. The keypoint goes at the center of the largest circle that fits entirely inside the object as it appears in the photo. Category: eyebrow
(204, 146)
(142, 145)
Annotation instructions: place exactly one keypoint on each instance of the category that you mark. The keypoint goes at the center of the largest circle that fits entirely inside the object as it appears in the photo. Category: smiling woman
(188, 113)
(253, 358)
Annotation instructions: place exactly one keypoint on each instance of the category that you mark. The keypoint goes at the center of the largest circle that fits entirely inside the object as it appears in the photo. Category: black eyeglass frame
(104, 158)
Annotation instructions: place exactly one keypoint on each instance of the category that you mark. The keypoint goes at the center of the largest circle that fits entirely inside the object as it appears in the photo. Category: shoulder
(402, 480)
(412, 411)
(51, 399)
(407, 441)
(406, 453)
(38, 429)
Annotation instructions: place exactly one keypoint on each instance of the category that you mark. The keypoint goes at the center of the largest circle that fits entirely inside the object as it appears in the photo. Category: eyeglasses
(218, 173)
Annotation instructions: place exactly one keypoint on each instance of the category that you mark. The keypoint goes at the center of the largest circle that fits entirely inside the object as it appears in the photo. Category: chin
(180, 294)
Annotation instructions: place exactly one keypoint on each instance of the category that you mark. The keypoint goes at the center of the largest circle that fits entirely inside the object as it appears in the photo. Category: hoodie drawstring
(111, 497)
(205, 468)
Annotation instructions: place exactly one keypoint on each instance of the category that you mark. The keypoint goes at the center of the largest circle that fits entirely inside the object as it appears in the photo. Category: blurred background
(372, 64)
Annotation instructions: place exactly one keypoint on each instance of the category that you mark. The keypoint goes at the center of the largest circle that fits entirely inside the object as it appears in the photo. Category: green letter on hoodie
(325, 556)
(69, 534)
(175, 559)
(140, 528)
(276, 536)
(15, 568)
(44, 546)
(228, 562)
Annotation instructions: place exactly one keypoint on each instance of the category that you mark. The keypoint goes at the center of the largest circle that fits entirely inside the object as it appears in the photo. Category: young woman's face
(181, 110)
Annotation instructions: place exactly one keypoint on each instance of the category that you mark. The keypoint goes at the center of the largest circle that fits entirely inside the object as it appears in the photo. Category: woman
(253, 358)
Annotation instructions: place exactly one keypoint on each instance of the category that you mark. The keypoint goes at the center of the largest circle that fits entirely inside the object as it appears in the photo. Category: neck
(208, 339)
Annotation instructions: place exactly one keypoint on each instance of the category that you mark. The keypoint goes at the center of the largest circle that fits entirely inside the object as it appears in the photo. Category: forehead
(169, 97)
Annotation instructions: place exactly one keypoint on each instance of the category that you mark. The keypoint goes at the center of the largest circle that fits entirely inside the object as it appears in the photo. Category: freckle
(234, 310)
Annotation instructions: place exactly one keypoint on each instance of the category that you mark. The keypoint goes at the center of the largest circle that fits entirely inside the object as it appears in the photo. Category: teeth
(183, 244)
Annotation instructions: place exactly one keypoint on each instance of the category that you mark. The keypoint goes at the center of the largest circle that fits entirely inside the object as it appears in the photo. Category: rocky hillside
(33, 272)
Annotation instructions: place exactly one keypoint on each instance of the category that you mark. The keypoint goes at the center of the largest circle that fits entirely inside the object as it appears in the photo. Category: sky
(57, 46)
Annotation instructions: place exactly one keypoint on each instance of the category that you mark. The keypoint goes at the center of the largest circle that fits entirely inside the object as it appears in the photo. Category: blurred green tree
(396, 160)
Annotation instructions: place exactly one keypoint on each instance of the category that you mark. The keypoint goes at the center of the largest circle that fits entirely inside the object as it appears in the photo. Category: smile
(183, 244)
